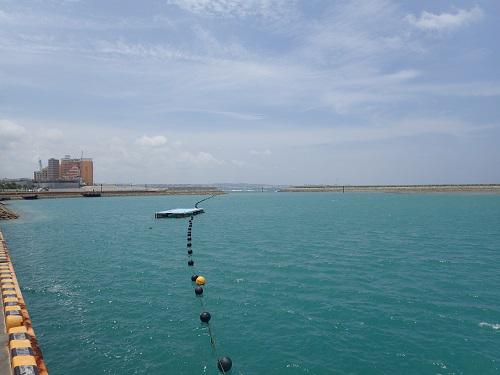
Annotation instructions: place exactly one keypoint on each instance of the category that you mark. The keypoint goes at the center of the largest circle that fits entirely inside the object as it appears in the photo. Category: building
(67, 170)
(87, 171)
(41, 175)
(53, 170)
(77, 169)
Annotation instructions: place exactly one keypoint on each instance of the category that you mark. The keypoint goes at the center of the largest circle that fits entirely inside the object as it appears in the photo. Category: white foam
(494, 326)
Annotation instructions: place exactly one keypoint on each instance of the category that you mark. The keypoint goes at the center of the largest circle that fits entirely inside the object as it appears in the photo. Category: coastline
(109, 193)
(462, 188)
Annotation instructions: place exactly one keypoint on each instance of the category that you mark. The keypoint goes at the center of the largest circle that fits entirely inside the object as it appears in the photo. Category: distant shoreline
(108, 193)
(463, 188)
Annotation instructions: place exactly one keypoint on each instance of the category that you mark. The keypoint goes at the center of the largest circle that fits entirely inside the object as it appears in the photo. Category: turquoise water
(296, 283)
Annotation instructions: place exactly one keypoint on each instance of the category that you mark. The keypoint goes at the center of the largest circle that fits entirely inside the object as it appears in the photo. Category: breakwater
(461, 188)
(19, 344)
(109, 193)
(6, 213)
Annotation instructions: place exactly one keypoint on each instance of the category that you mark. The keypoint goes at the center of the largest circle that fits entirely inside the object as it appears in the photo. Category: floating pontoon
(179, 212)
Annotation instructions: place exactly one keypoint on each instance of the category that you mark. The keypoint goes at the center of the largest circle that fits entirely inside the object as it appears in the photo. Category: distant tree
(9, 186)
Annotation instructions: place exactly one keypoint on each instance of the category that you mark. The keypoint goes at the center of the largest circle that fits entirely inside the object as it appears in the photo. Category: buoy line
(203, 200)
(224, 363)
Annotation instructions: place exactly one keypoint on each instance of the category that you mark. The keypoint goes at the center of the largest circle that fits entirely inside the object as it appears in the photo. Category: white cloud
(199, 158)
(10, 130)
(232, 115)
(142, 51)
(273, 9)
(260, 152)
(51, 134)
(445, 21)
(240, 163)
(361, 31)
(155, 141)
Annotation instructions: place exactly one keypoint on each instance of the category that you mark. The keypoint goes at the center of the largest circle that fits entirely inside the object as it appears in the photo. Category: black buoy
(198, 290)
(224, 364)
(189, 244)
(190, 252)
(190, 262)
(205, 317)
(194, 277)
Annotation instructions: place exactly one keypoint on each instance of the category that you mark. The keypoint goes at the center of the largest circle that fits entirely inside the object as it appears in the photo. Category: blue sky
(261, 91)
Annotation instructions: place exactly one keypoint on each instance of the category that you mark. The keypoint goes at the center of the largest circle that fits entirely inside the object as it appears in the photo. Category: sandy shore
(492, 188)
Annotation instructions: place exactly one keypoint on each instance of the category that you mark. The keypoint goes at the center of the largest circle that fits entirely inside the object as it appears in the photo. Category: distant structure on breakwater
(19, 350)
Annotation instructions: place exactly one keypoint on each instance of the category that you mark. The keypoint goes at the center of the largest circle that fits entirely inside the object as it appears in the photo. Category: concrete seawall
(472, 188)
(107, 193)
(19, 349)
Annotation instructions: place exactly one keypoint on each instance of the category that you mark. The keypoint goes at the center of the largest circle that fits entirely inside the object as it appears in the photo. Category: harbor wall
(107, 193)
(465, 188)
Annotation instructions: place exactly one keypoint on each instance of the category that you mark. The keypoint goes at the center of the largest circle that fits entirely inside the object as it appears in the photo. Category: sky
(256, 91)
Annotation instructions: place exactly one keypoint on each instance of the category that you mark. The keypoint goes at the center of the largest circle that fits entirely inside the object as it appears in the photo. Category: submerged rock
(6, 214)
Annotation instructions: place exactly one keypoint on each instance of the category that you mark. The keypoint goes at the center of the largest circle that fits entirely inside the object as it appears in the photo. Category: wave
(494, 326)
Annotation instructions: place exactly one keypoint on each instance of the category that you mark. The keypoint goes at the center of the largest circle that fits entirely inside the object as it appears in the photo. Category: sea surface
(297, 283)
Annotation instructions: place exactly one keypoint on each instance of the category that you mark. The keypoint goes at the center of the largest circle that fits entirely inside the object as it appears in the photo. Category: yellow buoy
(20, 329)
(200, 280)
(13, 321)
(23, 360)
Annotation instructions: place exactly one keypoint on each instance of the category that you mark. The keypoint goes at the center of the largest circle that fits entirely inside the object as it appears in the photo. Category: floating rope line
(224, 363)
(203, 200)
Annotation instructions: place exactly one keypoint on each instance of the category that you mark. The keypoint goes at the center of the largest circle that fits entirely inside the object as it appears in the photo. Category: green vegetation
(10, 186)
